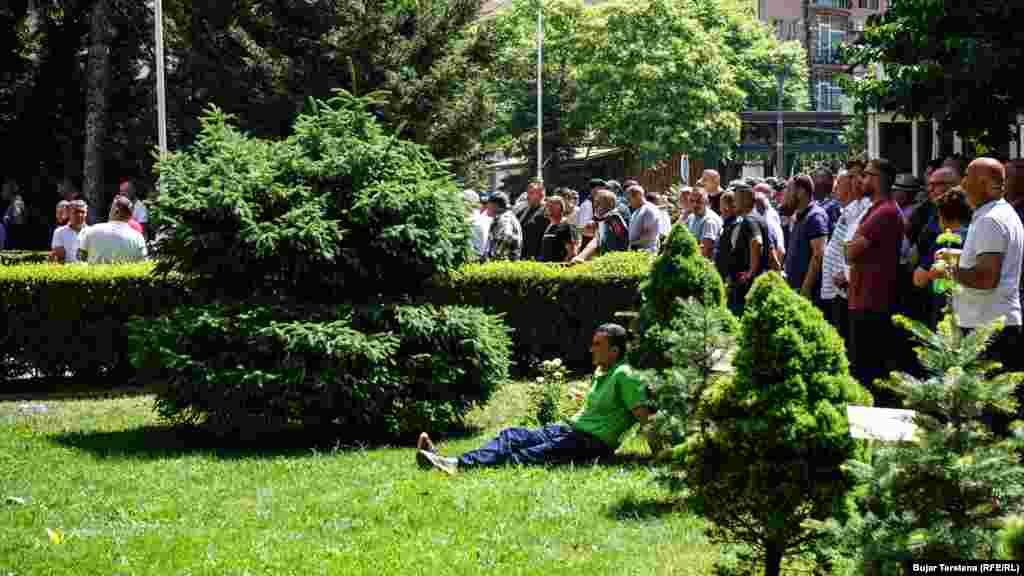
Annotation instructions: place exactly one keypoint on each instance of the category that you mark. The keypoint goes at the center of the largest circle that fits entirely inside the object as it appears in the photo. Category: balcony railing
(840, 4)
(829, 57)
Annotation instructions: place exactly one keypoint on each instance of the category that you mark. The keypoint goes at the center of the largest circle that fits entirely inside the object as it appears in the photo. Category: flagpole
(540, 90)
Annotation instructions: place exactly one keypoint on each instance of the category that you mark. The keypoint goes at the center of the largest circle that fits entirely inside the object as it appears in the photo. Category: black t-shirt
(554, 241)
(534, 224)
(751, 226)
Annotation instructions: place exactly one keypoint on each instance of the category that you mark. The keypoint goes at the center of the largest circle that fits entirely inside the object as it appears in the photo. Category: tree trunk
(773, 560)
(98, 87)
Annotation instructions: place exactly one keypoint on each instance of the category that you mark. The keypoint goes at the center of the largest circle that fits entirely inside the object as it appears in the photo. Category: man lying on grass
(616, 401)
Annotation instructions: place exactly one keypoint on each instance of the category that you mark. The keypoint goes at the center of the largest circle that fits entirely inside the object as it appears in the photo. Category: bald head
(711, 181)
(765, 189)
(985, 180)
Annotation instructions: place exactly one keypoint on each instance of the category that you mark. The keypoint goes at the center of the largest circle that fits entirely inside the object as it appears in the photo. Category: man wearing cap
(505, 238)
(533, 221)
(113, 241)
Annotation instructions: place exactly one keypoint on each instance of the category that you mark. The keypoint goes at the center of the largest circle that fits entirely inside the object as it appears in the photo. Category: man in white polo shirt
(990, 263)
(114, 241)
(65, 244)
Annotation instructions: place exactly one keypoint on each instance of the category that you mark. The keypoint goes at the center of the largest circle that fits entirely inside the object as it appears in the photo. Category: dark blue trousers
(552, 444)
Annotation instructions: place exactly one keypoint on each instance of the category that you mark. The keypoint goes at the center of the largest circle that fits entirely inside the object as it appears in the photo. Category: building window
(869, 4)
(830, 96)
(841, 4)
(831, 35)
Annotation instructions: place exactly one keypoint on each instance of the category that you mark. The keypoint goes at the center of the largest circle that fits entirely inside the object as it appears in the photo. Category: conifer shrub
(303, 251)
(778, 437)
(956, 490)
(340, 207)
(679, 273)
(370, 372)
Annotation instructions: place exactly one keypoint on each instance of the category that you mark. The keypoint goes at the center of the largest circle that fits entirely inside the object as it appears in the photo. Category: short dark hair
(935, 163)
(651, 196)
(122, 206)
(804, 181)
(616, 334)
(952, 206)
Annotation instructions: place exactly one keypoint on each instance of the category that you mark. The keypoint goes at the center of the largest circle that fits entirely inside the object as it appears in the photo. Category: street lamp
(780, 135)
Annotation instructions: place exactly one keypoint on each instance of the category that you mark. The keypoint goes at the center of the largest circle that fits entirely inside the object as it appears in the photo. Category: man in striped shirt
(835, 270)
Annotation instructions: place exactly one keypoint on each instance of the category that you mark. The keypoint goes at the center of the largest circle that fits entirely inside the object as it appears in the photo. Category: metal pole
(779, 135)
(540, 90)
(161, 99)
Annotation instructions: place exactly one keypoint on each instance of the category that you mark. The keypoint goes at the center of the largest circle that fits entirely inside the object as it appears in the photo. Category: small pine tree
(949, 494)
(679, 274)
(773, 459)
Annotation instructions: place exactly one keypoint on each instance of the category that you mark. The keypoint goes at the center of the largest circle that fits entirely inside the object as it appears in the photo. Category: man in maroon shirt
(873, 255)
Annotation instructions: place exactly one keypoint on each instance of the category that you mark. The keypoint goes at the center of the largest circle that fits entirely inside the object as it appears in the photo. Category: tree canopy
(956, 62)
(655, 77)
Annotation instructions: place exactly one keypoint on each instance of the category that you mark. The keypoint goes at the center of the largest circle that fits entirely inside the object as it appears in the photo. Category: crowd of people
(862, 243)
(76, 236)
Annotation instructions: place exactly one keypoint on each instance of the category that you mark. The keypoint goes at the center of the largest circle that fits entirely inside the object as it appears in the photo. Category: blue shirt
(810, 224)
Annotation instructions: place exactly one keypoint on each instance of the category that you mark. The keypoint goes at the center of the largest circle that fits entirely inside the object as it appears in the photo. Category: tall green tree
(654, 77)
(956, 62)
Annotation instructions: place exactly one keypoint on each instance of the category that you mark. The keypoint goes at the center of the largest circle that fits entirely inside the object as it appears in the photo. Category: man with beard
(873, 256)
(807, 238)
(532, 220)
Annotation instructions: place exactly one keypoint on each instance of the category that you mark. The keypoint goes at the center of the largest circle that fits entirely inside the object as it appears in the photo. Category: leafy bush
(552, 309)
(339, 207)
(545, 394)
(780, 435)
(947, 494)
(59, 318)
(375, 371)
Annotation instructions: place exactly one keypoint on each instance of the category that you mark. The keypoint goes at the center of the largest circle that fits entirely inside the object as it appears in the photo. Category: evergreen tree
(773, 459)
(948, 494)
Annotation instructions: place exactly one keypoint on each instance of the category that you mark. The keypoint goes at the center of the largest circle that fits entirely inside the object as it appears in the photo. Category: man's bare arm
(707, 248)
(811, 278)
(985, 274)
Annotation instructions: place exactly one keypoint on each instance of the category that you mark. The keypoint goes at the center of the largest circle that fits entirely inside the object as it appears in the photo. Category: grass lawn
(102, 487)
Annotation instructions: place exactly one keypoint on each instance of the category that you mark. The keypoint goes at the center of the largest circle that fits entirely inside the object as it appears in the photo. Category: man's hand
(744, 277)
(839, 280)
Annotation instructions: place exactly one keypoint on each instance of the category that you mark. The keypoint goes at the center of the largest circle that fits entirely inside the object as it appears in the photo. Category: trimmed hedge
(71, 318)
(375, 372)
(553, 309)
(58, 318)
(11, 257)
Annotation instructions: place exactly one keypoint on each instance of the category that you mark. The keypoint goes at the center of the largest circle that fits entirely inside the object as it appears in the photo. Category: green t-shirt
(608, 411)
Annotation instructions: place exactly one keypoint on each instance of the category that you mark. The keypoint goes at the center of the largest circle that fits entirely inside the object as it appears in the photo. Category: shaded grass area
(122, 493)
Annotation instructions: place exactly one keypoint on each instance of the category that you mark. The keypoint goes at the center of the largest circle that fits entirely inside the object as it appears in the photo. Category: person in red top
(874, 255)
